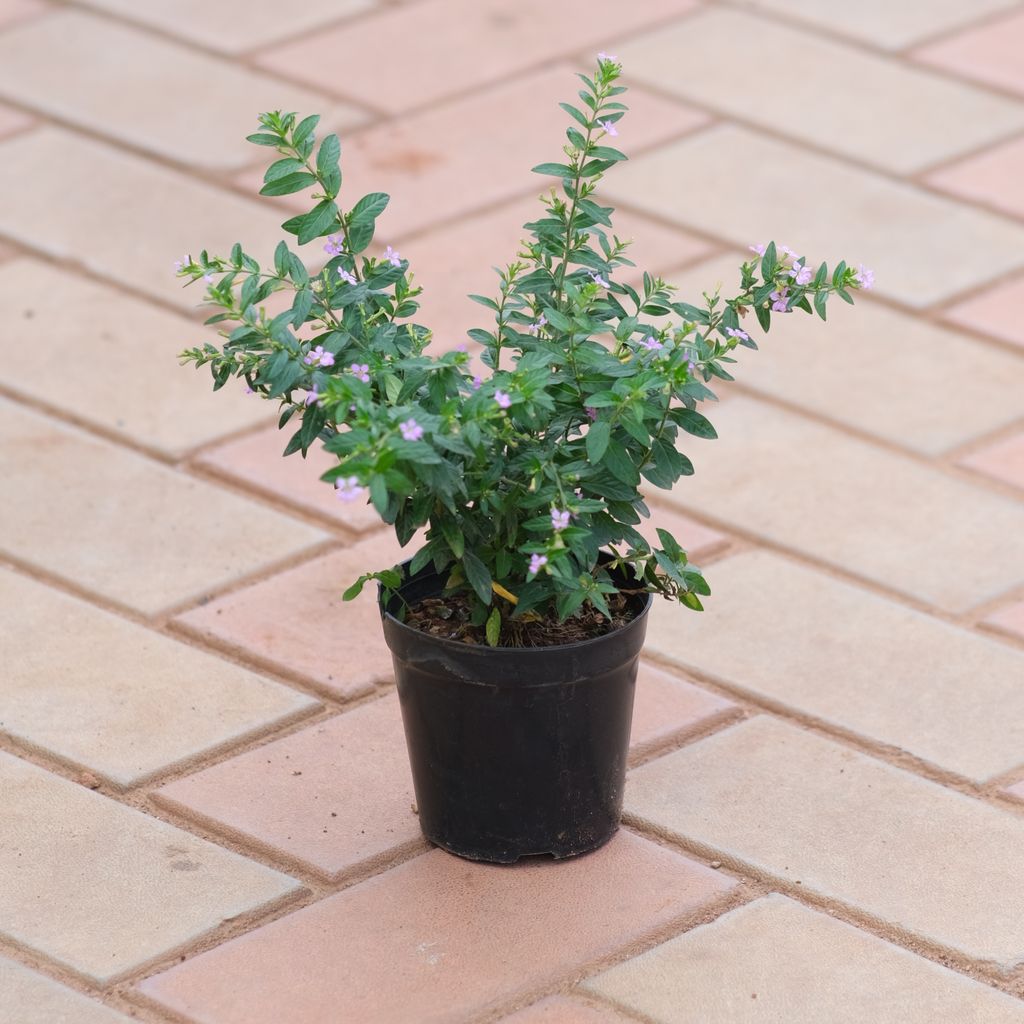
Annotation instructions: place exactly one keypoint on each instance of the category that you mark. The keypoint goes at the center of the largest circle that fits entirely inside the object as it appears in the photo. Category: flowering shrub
(521, 477)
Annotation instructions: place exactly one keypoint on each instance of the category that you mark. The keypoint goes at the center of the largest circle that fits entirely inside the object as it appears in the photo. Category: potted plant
(517, 624)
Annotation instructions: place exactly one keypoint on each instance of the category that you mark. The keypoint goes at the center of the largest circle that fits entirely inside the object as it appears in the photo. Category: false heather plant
(524, 476)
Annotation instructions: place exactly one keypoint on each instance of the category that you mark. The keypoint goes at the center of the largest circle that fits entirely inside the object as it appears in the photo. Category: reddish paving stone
(1003, 460)
(994, 311)
(256, 461)
(566, 1010)
(993, 177)
(1016, 790)
(454, 260)
(336, 796)
(439, 939)
(12, 121)
(990, 53)
(448, 47)
(13, 11)
(476, 151)
(668, 708)
(1009, 618)
(296, 621)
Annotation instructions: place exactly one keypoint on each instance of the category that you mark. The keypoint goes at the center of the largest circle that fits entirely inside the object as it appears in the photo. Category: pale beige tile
(120, 215)
(776, 960)
(746, 188)
(103, 888)
(795, 805)
(118, 359)
(866, 510)
(123, 526)
(799, 638)
(146, 91)
(27, 997)
(118, 699)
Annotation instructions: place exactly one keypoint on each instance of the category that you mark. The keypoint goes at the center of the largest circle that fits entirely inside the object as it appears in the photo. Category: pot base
(512, 854)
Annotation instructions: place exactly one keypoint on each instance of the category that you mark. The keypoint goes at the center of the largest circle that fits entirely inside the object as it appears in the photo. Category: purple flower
(411, 430)
(735, 333)
(462, 348)
(347, 488)
(318, 357)
(249, 390)
(504, 400)
(335, 245)
(789, 252)
(607, 58)
(179, 265)
(347, 277)
(652, 344)
(537, 324)
(781, 301)
(208, 278)
(609, 128)
(591, 412)
(801, 273)
(362, 371)
(536, 562)
(598, 279)
(476, 382)
(559, 519)
(313, 395)
(392, 257)
(759, 249)
(691, 367)
(865, 278)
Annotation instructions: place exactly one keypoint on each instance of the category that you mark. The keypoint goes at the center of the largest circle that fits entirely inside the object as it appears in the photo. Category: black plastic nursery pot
(515, 751)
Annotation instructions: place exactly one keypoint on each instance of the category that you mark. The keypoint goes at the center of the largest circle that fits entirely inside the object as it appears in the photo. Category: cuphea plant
(523, 476)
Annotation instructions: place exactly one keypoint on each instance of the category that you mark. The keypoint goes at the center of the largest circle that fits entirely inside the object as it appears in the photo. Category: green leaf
(281, 258)
(478, 576)
(379, 494)
(607, 153)
(484, 301)
(305, 128)
(597, 440)
(370, 207)
(575, 114)
(768, 261)
(556, 170)
(694, 423)
(288, 184)
(319, 221)
(263, 139)
(819, 303)
(493, 627)
(355, 590)
(328, 154)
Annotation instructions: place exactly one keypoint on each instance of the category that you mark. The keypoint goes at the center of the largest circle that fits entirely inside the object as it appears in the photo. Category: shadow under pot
(515, 751)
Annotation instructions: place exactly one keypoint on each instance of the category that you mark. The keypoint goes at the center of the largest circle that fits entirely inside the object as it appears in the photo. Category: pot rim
(618, 632)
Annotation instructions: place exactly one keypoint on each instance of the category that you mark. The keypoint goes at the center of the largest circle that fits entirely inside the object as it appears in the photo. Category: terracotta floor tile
(993, 178)
(124, 526)
(336, 796)
(994, 311)
(115, 697)
(473, 152)
(852, 102)
(149, 400)
(667, 708)
(336, 646)
(696, 539)
(13, 121)
(989, 53)
(1003, 460)
(156, 95)
(456, 259)
(1009, 618)
(1016, 790)
(233, 26)
(441, 48)
(439, 939)
(256, 462)
(103, 888)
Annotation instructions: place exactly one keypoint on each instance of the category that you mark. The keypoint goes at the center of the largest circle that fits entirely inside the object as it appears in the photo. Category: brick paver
(417, 944)
(116, 698)
(100, 534)
(872, 512)
(846, 713)
(776, 960)
(804, 809)
(103, 888)
(824, 209)
(873, 124)
(824, 648)
(93, 326)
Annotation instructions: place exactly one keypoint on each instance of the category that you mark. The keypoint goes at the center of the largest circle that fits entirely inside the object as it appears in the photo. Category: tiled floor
(206, 814)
